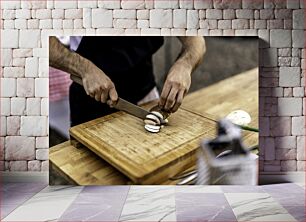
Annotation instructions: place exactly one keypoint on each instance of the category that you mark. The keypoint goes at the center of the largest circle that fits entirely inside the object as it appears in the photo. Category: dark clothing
(127, 61)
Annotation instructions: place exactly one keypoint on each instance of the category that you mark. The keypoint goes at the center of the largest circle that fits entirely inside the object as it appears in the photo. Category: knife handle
(79, 80)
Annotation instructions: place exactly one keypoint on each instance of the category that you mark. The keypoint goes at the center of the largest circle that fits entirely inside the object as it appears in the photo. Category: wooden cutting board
(146, 158)
(80, 166)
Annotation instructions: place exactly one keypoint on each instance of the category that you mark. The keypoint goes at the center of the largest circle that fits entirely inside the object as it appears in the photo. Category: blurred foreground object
(225, 161)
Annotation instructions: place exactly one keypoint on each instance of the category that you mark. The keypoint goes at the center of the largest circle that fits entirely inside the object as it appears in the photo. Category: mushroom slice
(153, 118)
(158, 109)
(152, 129)
(150, 122)
(158, 114)
(239, 117)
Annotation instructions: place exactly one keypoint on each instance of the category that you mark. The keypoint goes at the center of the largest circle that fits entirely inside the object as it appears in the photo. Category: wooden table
(83, 167)
(239, 92)
(218, 100)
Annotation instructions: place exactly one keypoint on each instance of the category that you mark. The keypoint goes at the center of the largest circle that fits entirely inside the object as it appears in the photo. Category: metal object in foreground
(225, 161)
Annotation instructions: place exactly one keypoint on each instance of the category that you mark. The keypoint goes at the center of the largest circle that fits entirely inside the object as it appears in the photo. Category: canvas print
(152, 110)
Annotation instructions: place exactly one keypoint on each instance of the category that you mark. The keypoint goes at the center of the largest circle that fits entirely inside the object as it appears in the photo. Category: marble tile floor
(39, 202)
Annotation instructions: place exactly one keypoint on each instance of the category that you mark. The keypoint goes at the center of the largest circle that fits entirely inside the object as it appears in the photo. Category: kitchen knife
(121, 104)
(130, 108)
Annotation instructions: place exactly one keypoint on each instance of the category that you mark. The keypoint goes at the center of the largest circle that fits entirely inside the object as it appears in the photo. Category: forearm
(62, 58)
(178, 80)
(193, 49)
(95, 82)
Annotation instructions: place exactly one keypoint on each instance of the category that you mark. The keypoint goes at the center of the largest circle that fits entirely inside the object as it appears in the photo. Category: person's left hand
(176, 86)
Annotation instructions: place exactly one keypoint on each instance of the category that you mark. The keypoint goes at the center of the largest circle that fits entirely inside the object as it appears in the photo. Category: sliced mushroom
(152, 129)
(150, 122)
(155, 121)
(158, 109)
(158, 114)
(239, 117)
(153, 118)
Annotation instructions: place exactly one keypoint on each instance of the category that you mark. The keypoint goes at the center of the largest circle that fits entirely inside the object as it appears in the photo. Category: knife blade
(131, 108)
(121, 104)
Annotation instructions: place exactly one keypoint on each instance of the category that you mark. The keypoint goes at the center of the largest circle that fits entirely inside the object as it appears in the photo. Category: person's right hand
(98, 85)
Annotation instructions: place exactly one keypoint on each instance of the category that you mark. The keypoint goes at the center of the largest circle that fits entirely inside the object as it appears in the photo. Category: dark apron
(127, 61)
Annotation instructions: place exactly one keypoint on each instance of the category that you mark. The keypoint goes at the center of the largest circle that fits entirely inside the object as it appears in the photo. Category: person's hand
(176, 86)
(98, 85)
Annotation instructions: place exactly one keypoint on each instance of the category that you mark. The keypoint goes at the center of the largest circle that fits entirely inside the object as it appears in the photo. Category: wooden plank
(145, 158)
(218, 100)
(92, 170)
(82, 167)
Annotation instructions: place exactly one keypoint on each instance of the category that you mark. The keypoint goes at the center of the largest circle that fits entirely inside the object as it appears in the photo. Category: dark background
(225, 57)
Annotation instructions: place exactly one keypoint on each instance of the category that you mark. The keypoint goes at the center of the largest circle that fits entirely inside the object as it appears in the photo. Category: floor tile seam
(124, 202)
(274, 201)
(283, 205)
(71, 202)
(230, 206)
(35, 195)
(28, 199)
